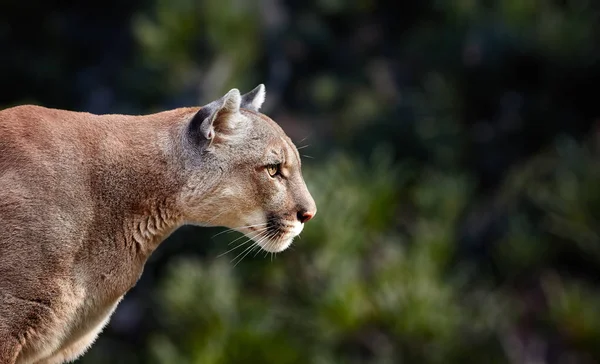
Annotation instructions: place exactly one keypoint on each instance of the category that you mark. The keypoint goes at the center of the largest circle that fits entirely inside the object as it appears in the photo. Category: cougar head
(253, 171)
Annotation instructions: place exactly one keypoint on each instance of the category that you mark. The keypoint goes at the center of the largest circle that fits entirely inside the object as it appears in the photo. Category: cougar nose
(305, 215)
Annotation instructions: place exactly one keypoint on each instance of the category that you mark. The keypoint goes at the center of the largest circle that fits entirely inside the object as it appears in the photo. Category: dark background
(451, 147)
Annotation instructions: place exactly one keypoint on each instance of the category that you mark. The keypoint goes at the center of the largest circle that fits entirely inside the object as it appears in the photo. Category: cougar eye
(273, 169)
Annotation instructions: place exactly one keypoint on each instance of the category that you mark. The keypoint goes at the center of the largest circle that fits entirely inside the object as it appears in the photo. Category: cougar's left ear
(254, 99)
(219, 115)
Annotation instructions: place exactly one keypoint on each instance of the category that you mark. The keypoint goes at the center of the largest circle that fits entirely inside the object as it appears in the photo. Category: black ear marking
(204, 123)
(195, 128)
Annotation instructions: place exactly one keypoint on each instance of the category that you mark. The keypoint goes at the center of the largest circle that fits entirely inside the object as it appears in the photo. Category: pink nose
(304, 216)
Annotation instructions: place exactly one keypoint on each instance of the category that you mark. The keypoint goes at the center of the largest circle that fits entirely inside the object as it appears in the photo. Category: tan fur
(85, 199)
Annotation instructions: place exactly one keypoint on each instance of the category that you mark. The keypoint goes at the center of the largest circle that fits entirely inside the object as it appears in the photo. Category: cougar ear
(218, 115)
(254, 99)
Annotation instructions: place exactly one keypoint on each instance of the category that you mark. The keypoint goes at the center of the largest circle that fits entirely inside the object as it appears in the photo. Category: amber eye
(273, 169)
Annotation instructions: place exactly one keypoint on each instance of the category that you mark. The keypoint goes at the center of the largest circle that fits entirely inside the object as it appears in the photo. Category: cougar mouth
(276, 235)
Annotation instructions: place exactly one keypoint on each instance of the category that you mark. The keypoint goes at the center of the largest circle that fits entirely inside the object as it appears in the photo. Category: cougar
(85, 199)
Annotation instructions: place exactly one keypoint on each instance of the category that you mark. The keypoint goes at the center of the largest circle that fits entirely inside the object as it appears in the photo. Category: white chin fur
(276, 245)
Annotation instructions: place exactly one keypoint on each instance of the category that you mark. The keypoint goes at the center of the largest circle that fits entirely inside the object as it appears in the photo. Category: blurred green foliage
(452, 149)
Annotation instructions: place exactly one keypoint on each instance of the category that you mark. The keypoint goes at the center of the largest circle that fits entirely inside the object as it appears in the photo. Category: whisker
(258, 251)
(239, 227)
(249, 238)
(303, 139)
(247, 248)
(308, 156)
(258, 231)
(216, 216)
(268, 246)
(302, 147)
(269, 237)
(247, 251)
(252, 247)
(213, 218)
(234, 248)
(228, 231)
(271, 243)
